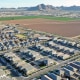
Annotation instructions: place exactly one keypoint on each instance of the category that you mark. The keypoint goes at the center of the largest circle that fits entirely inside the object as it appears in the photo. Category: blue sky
(23, 3)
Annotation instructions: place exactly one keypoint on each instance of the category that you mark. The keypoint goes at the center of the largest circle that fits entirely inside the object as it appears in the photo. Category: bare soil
(67, 29)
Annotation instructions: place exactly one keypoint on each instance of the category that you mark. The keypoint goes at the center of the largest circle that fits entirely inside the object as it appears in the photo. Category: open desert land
(63, 28)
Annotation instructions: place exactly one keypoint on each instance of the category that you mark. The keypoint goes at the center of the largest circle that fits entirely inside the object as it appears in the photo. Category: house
(36, 35)
(20, 63)
(56, 47)
(43, 62)
(75, 76)
(11, 43)
(45, 77)
(55, 38)
(75, 66)
(1, 44)
(59, 72)
(60, 41)
(27, 55)
(25, 43)
(60, 54)
(43, 38)
(7, 78)
(4, 48)
(61, 48)
(50, 43)
(9, 47)
(11, 34)
(63, 57)
(7, 35)
(73, 43)
(71, 68)
(2, 73)
(37, 47)
(36, 55)
(2, 36)
(78, 45)
(21, 44)
(12, 57)
(54, 53)
(77, 62)
(54, 76)
(16, 31)
(46, 51)
(65, 41)
(67, 72)
(71, 51)
(27, 69)
(1, 48)
(18, 44)
(67, 50)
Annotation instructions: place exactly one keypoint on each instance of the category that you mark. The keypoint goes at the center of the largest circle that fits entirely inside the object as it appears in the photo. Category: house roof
(28, 67)
(2, 72)
(47, 77)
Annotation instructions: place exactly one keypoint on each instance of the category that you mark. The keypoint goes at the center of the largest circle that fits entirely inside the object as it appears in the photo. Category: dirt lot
(67, 29)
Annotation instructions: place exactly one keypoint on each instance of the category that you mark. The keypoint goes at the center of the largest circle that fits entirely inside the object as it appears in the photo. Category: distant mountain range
(71, 8)
(38, 7)
(43, 7)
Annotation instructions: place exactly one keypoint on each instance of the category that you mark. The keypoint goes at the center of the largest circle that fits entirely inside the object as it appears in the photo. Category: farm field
(42, 17)
(64, 28)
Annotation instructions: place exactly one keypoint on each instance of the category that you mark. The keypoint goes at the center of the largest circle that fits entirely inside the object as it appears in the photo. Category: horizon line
(39, 4)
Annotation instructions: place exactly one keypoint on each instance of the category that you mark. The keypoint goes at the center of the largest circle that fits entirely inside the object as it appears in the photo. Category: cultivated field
(64, 28)
(35, 17)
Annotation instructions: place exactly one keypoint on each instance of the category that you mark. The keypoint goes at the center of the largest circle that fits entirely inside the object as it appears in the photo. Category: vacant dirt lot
(67, 29)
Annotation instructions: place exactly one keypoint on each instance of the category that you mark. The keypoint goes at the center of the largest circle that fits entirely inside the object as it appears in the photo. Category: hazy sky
(23, 3)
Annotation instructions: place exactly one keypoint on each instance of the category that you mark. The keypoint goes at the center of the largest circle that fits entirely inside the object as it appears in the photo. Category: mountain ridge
(42, 7)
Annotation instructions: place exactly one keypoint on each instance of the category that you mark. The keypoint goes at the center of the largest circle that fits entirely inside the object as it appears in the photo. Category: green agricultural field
(43, 17)
(60, 18)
